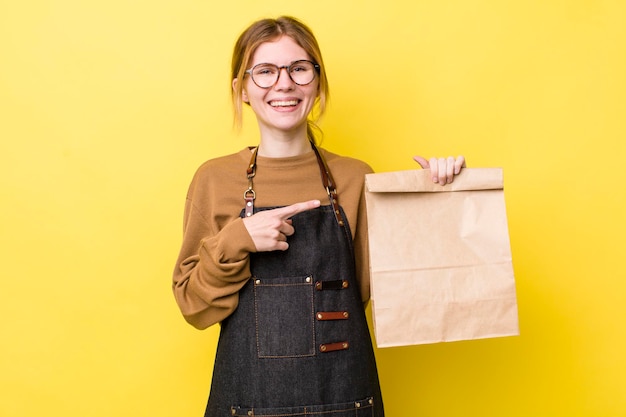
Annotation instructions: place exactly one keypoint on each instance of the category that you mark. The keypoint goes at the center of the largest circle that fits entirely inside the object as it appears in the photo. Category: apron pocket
(361, 408)
(284, 317)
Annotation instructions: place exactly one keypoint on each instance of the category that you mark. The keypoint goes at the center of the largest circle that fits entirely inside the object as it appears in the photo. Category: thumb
(422, 161)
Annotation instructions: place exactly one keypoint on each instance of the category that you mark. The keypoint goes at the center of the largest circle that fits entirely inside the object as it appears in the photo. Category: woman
(275, 246)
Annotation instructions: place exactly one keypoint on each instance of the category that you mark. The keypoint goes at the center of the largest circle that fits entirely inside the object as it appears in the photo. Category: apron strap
(329, 184)
(249, 195)
(327, 180)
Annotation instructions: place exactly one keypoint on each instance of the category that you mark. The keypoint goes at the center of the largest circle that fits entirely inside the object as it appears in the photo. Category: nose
(284, 82)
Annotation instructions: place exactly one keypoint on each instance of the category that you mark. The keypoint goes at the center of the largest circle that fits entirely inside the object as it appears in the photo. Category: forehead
(281, 51)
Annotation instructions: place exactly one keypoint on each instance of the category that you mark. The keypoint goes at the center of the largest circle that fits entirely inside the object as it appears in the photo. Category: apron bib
(298, 343)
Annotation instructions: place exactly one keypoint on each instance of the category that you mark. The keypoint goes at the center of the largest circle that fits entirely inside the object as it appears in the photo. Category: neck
(284, 144)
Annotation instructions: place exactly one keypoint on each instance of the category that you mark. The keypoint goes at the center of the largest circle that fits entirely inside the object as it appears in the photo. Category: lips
(284, 103)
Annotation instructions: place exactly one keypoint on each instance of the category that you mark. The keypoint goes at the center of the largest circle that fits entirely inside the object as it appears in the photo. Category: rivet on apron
(250, 413)
(332, 315)
(233, 411)
(335, 284)
(308, 279)
(331, 347)
(357, 405)
(371, 401)
(258, 281)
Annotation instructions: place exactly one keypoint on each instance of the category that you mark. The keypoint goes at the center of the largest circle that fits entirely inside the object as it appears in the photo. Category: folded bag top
(420, 180)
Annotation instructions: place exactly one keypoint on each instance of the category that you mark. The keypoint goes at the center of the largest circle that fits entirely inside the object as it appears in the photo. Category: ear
(244, 94)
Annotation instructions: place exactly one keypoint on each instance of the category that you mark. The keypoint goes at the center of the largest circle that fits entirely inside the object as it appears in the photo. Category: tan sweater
(213, 264)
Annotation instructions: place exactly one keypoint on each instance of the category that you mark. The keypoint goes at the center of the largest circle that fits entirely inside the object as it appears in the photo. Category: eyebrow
(295, 60)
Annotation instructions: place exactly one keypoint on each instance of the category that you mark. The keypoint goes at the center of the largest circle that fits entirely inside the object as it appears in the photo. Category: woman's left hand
(443, 170)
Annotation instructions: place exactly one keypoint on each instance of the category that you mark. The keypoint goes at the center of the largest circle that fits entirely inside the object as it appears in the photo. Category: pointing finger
(289, 211)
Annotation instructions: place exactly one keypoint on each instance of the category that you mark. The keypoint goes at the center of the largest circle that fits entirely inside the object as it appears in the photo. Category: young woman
(275, 246)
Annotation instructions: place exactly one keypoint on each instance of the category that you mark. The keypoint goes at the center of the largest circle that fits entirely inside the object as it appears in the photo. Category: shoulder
(221, 170)
(346, 165)
(349, 175)
(226, 162)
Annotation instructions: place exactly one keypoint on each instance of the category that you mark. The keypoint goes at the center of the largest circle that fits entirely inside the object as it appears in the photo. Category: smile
(284, 103)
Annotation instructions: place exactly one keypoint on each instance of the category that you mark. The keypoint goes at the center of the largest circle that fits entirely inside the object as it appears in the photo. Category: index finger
(288, 211)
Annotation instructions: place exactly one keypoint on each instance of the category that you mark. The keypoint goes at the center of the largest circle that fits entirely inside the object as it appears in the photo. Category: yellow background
(107, 108)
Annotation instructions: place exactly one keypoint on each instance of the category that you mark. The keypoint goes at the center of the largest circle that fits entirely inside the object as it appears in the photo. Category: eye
(264, 70)
(300, 67)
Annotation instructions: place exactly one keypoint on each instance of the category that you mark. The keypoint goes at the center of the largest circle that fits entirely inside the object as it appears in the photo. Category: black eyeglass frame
(316, 67)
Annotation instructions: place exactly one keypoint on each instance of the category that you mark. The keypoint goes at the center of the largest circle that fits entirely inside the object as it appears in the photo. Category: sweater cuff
(234, 242)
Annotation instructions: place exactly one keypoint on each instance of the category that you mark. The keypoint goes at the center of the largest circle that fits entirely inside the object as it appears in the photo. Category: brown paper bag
(440, 258)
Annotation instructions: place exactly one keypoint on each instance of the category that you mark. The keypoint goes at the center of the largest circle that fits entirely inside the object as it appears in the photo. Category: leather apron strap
(327, 181)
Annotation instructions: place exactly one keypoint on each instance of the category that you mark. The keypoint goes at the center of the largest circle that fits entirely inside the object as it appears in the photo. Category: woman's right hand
(269, 228)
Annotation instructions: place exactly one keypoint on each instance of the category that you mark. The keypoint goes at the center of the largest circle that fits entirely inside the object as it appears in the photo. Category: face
(284, 107)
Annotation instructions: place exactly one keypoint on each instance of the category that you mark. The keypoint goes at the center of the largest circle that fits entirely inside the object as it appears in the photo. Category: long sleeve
(213, 263)
(211, 268)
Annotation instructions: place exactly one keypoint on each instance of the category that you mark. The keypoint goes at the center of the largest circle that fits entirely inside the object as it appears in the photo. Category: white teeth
(284, 103)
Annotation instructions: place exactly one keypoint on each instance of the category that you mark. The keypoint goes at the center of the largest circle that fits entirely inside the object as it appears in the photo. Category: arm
(213, 267)
(213, 264)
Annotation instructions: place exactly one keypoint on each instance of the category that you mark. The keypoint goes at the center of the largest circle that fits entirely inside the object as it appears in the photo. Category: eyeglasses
(301, 72)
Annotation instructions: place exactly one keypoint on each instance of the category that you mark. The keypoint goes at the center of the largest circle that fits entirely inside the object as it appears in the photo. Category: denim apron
(298, 343)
